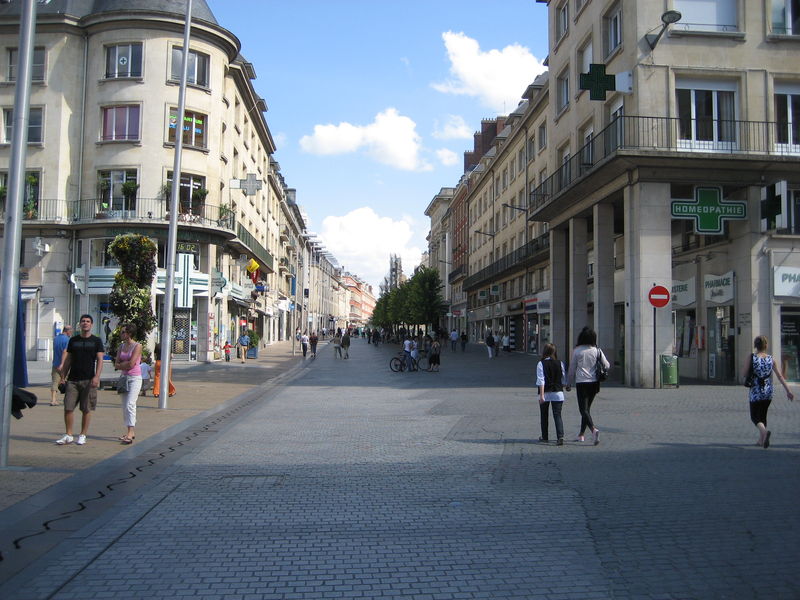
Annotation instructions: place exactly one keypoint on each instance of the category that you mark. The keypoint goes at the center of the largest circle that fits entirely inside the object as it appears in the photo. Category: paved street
(350, 481)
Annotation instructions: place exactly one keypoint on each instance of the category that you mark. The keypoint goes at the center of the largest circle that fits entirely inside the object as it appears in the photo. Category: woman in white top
(551, 380)
(582, 374)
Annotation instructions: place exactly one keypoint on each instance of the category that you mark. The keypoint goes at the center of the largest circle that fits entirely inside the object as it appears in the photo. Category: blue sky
(373, 103)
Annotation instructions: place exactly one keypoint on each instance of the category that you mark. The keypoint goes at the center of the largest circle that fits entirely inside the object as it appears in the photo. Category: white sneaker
(66, 439)
(595, 434)
(81, 440)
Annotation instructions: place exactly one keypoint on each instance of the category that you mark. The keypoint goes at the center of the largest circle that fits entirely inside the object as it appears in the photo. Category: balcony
(261, 254)
(285, 237)
(283, 266)
(534, 251)
(135, 211)
(456, 274)
(689, 144)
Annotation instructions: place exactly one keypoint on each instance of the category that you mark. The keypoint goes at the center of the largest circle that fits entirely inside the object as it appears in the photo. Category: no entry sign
(658, 296)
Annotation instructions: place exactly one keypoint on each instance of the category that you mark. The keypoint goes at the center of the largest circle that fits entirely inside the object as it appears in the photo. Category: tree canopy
(418, 301)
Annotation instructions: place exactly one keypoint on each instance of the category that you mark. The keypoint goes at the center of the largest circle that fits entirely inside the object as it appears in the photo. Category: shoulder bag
(122, 385)
(750, 378)
(600, 370)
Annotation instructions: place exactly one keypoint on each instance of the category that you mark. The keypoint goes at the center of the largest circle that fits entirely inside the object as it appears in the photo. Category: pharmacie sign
(708, 210)
(787, 281)
(718, 288)
(683, 293)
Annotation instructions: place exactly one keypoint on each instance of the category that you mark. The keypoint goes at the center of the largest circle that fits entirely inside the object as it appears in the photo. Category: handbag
(600, 370)
(750, 378)
(122, 385)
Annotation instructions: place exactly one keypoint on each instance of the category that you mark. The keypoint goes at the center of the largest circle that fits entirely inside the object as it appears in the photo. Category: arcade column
(648, 262)
(603, 293)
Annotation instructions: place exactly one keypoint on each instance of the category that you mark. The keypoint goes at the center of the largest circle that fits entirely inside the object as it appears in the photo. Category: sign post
(659, 298)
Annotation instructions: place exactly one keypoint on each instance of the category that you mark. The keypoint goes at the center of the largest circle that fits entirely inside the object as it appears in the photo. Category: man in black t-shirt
(81, 371)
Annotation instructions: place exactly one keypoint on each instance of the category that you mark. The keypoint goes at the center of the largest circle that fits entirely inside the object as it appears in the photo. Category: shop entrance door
(721, 345)
(181, 334)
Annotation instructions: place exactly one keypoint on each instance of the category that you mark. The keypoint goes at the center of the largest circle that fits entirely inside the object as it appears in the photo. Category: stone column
(648, 262)
(578, 274)
(603, 293)
(559, 263)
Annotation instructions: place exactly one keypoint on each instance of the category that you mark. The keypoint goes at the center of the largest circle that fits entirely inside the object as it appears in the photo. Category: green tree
(131, 292)
(426, 304)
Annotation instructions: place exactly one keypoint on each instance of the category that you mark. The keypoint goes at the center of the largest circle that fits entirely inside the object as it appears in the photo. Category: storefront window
(685, 338)
(100, 255)
(790, 343)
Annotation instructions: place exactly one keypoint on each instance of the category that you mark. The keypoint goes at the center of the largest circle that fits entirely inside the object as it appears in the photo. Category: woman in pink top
(129, 357)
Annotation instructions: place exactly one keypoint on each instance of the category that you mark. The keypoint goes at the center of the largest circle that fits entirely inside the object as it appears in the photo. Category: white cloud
(362, 241)
(497, 77)
(391, 139)
(447, 157)
(455, 128)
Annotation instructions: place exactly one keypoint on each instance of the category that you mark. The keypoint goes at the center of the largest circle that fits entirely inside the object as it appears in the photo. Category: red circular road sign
(658, 296)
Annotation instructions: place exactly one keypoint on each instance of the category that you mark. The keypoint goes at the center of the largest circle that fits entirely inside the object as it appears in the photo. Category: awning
(244, 303)
(28, 293)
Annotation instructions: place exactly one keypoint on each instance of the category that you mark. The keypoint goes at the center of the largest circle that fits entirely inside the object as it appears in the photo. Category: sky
(372, 104)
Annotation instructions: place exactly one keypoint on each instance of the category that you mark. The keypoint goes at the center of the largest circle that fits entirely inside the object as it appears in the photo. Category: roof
(84, 8)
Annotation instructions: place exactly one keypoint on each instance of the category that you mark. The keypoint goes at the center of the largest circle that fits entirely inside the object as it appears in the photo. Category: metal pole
(172, 244)
(12, 233)
(655, 372)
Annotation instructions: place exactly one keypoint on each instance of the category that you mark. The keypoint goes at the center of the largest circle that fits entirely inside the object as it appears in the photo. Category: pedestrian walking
(244, 344)
(506, 343)
(408, 345)
(313, 340)
(490, 344)
(582, 374)
(60, 343)
(551, 379)
(759, 372)
(147, 374)
(346, 344)
(81, 373)
(464, 341)
(128, 361)
(304, 343)
(157, 377)
(453, 339)
(337, 344)
(227, 349)
(435, 356)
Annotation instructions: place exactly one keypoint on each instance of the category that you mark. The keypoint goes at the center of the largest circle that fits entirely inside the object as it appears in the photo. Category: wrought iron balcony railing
(679, 136)
(520, 257)
(456, 273)
(139, 210)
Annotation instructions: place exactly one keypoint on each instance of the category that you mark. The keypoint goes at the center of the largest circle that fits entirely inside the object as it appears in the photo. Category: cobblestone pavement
(350, 481)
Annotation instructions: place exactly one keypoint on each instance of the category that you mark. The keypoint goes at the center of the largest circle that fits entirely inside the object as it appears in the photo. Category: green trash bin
(669, 370)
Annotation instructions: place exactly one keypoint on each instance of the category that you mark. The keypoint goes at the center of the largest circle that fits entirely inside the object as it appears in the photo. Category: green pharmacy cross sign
(598, 82)
(708, 210)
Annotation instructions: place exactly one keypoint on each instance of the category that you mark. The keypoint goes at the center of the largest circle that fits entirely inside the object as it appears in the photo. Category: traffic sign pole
(659, 298)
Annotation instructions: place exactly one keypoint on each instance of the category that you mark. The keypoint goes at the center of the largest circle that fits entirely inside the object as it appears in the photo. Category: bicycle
(398, 363)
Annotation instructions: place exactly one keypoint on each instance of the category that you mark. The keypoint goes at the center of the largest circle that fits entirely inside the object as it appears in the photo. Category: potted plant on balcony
(226, 216)
(198, 200)
(129, 190)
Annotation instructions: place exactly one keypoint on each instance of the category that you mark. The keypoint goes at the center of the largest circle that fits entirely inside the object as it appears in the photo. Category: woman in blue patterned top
(763, 365)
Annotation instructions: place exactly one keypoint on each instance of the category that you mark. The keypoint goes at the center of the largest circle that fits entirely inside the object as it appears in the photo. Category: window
(35, 117)
(542, 136)
(120, 123)
(585, 57)
(786, 17)
(124, 60)
(521, 157)
(197, 70)
(504, 179)
(110, 192)
(579, 5)
(562, 90)
(562, 20)
(30, 193)
(708, 15)
(37, 67)
(191, 196)
(100, 256)
(194, 128)
(707, 114)
(512, 172)
(787, 117)
(530, 148)
(612, 25)
(564, 175)
(587, 151)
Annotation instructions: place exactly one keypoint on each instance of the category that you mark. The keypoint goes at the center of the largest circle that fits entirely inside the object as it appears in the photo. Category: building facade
(677, 166)
(100, 154)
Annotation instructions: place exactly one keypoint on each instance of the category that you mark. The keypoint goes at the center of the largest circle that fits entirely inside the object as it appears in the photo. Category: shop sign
(456, 313)
(718, 288)
(708, 210)
(683, 292)
(787, 281)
